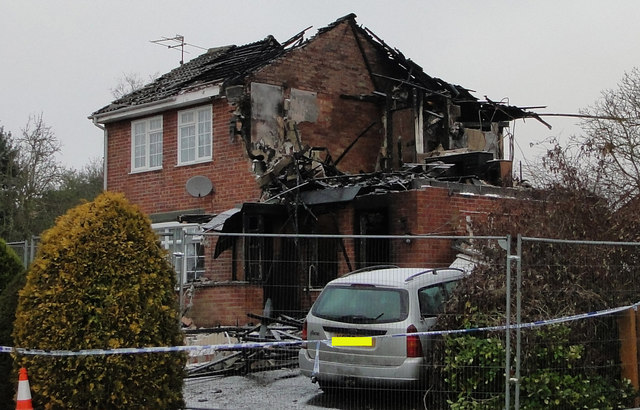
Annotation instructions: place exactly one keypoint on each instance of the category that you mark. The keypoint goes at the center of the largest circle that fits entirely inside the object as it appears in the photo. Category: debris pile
(246, 360)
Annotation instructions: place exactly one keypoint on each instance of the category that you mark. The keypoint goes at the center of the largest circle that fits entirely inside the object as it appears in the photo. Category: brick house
(338, 134)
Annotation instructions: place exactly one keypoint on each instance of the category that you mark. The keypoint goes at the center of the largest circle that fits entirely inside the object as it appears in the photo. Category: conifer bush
(101, 281)
(10, 264)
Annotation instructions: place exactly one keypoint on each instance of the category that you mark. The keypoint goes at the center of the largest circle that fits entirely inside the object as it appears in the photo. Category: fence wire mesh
(554, 360)
(526, 333)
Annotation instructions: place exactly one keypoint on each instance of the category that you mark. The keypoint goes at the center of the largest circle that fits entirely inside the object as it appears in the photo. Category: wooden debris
(243, 361)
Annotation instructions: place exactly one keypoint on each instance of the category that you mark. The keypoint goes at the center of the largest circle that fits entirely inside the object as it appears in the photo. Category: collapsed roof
(230, 64)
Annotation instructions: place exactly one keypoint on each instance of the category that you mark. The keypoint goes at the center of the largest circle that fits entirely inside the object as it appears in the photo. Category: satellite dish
(199, 186)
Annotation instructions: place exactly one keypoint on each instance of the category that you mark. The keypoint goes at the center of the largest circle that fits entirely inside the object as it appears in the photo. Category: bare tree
(39, 171)
(130, 82)
(605, 159)
(38, 147)
(612, 137)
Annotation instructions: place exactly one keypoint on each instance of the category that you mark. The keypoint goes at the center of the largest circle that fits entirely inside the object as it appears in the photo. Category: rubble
(242, 361)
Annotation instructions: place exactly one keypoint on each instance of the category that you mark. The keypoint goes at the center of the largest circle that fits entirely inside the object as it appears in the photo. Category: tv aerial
(175, 43)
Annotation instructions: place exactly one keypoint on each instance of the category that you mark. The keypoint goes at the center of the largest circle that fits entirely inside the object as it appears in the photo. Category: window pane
(139, 153)
(187, 143)
(155, 124)
(139, 128)
(139, 158)
(155, 149)
(204, 133)
(204, 147)
(186, 117)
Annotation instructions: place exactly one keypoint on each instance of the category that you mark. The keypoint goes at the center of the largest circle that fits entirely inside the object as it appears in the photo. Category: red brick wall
(226, 304)
(435, 211)
(164, 190)
(428, 211)
(332, 65)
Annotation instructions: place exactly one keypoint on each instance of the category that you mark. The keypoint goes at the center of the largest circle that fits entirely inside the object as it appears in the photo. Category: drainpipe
(104, 150)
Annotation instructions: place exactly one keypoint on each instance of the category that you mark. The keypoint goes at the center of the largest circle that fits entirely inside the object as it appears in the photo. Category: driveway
(285, 389)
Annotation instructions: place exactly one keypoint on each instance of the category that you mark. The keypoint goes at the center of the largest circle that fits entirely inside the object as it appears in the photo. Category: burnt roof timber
(228, 65)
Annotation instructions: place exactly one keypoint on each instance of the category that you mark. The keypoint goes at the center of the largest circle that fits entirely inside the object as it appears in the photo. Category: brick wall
(164, 190)
(332, 65)
(226, 304)
(427, 211)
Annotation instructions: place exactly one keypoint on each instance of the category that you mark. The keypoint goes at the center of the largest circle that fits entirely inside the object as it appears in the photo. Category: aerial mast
(174, 43)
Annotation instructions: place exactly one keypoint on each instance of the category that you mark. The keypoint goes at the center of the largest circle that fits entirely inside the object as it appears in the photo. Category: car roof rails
(370, 268)
(432, 270)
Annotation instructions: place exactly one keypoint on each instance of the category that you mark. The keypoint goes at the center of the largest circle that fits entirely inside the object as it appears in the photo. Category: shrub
(474, 369)
(10, 264)
(101, 281)
(554, 374)
(10, 267)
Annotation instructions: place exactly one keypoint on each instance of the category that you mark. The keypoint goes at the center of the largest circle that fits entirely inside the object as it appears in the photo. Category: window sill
(202, 161)
(142, 171)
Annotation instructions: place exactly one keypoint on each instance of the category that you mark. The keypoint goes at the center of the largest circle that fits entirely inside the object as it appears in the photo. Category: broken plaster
(274, 123)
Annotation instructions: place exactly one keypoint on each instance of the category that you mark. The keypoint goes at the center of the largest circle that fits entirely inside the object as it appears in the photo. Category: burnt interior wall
(314, 77)
(404, 132)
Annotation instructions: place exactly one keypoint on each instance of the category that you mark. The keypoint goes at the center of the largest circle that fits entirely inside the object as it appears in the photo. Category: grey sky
(62, 57)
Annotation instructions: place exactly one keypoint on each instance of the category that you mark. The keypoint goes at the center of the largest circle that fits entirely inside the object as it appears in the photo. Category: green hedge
(555, 375)
(101, 281)
(12, 278)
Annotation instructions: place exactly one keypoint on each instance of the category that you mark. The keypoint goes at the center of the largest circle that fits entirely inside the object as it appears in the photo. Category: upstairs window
(146, 144)
(194, 136)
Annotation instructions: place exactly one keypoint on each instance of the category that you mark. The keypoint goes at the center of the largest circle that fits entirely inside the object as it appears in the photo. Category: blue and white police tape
(199, 350)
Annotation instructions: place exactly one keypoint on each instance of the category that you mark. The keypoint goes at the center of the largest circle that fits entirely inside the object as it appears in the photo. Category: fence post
(507, 359)
(25, 254)
(627, 329)
(32, 249)
(518, 319)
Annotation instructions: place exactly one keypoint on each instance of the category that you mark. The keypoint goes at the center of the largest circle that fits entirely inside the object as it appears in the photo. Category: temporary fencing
(579, 345)
(26, 250)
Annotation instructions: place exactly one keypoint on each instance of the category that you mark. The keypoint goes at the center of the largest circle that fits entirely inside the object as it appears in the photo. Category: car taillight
(304, 333)
(414, 347)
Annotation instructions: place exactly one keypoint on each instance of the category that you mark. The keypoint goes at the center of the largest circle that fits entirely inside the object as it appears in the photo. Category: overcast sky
(62, 58)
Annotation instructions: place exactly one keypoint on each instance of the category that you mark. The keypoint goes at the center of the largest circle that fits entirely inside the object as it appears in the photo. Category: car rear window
(362, 304)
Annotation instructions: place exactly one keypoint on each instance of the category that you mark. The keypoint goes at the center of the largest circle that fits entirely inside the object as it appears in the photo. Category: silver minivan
(376, 302)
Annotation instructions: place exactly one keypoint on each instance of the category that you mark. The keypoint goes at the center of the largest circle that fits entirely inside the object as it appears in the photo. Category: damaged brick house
(338, 134)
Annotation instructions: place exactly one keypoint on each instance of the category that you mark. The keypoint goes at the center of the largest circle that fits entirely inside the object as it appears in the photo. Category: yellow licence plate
(353, 341)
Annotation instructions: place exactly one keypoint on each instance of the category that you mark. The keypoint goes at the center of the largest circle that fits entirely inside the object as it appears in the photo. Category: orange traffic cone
(23, 401)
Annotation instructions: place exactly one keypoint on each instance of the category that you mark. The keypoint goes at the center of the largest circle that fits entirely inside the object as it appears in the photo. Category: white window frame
(195, 135)
(147, 134)
(187, 257)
